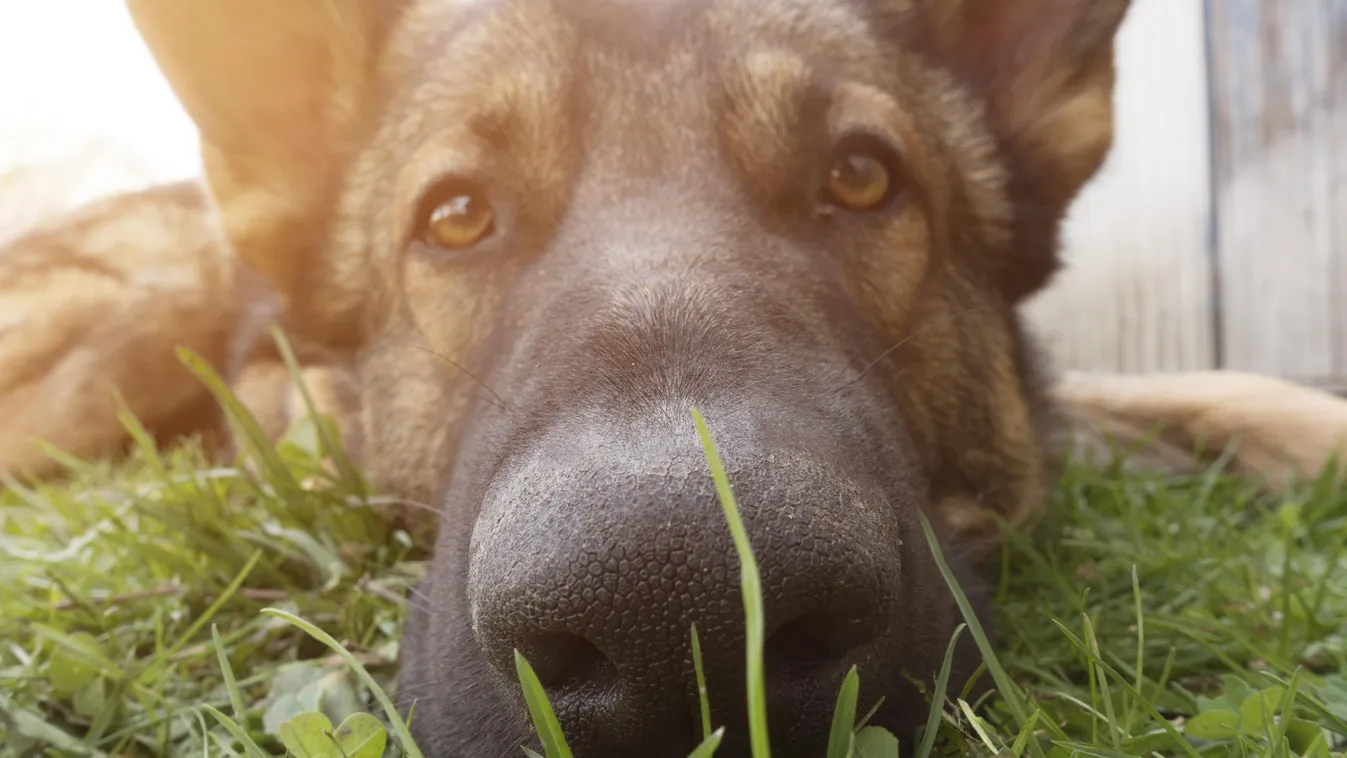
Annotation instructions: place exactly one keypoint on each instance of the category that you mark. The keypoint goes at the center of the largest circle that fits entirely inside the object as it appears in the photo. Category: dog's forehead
(649, 30)
(633, 25)
(532, 62)
(622, 82)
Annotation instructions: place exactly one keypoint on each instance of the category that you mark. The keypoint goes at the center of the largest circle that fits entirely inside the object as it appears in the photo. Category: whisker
(913, 335)
(394, 501)
(499, 402)
(892, 348)
(416, 594)
(399, 705)
(454, 697)
(412, 690)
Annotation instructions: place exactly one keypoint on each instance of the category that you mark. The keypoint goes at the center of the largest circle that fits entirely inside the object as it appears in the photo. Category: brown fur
(323, 129)
(172, 232)
(96, 302)
(969, 405)
(1276, 432)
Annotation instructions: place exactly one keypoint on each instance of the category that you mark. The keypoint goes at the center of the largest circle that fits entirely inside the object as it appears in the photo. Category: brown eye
(458, 217)
(858, 182)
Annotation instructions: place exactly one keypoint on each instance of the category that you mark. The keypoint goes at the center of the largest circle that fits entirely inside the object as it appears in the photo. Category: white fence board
(1274, 168)
(1337, 40)
(1136, 294)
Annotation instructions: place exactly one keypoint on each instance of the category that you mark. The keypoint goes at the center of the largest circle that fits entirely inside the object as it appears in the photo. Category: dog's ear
(1045, 69)
(265, 82)
(275, 88)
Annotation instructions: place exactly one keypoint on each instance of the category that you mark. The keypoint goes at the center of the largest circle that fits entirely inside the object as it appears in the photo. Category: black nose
(595, 567)
(604, 619)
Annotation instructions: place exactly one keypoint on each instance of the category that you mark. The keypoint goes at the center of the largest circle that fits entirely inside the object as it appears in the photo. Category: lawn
(156, 607)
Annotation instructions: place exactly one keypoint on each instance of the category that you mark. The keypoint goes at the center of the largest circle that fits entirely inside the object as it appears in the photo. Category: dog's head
(546, 229)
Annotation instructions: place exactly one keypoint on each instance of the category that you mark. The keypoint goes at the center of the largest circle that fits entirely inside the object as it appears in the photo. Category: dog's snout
(596, 569)
(591, 616)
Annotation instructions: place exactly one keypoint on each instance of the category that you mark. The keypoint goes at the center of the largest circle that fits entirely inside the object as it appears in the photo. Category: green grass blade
(938, 696)
(1093, 674)
(1179, 739)
(869, 714)
(751, 587)
(531, 753)
(390, 711)
(1288, 706)
(1026, 734)
(1106, 692)
(255, 441)
(1328, 719)
(236, 732)
(709, 745)
(141, 437)
(1091, 751)
(702, 697)
(1004, 684)
(1141, 647)
(231, 685)
(333, 447)
(844, 717)
(544, 718)
(205, 735)
(72, 463)
(209, 613)
(980, 728)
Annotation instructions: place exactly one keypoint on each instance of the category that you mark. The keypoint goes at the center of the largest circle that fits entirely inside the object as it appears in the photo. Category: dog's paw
(1276, 431)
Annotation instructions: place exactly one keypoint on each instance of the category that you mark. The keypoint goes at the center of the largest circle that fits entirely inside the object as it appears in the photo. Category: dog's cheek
(893, 269)
(972, 406)
(408, 416)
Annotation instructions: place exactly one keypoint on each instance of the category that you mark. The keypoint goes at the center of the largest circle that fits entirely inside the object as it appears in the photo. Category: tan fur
(1277, 432)
(1059, 105)
(300, 184)
(97, 302)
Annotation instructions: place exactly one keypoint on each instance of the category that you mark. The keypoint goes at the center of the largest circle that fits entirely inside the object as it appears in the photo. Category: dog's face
(547, 229)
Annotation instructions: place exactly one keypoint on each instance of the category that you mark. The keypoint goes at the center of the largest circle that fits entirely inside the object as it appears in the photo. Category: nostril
(565, 661)
(814, 640)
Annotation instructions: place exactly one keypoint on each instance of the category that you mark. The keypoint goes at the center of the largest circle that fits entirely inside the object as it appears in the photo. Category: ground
(1145, 616)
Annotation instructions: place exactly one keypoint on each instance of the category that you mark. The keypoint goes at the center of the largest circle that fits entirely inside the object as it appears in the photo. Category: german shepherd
(518, 240)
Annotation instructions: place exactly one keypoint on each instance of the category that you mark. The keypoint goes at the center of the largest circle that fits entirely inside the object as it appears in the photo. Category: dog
(517, 241)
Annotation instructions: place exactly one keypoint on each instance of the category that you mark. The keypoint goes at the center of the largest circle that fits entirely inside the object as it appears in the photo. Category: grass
(166, 607)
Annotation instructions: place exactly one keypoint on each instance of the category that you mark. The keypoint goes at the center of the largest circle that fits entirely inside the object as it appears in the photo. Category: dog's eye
(858, 181)
(456, 215)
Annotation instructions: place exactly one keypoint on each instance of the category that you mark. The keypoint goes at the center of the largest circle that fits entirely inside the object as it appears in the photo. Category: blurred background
(1216, 235)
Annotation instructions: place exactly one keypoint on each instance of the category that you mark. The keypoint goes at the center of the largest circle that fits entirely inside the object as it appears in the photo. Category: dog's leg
(92, 304)
(1276, 432)
(95, 303)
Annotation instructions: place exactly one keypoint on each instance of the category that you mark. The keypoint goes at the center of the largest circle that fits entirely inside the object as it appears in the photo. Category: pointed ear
(262, 77)
(275, 88)
(1045, 69)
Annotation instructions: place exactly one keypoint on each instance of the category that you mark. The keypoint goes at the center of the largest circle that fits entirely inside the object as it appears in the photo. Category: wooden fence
(1216, 236)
